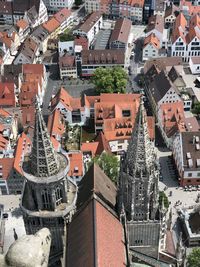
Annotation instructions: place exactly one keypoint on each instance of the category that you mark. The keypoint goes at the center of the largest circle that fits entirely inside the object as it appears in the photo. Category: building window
(46, 199)
(198, 174)
(126, 113)
(58, 196)
(189, 181)
(189, 174)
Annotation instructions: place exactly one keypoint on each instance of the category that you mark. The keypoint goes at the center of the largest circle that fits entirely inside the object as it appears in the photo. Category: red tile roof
(56, 124)
(173, 119)
(86, 242)
(90, 148)
(51, 25)
(33, 69)
(64, 97)
(7, 94)
(121, 31)
(28, 116)
(3, 143)
(56, 144)
(152, 39)
(79, 40)
(22, 24)
(62, 15)
(76, 164)
(6, 167)
(23, 147)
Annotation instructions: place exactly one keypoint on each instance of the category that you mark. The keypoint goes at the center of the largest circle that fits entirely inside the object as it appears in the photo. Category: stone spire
(139, 173)
(140, 153)
(44, 162)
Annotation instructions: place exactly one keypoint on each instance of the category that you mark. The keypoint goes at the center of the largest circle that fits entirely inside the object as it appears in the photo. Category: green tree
(163, 197)
(196, 109)
(110, 80)
(193, 259)
(109, 163)
(78, 2)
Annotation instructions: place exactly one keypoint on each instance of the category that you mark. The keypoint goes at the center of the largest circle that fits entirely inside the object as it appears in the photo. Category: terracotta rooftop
(152, 39)
(156, 22)
(23, 147)
(29, 48)
(62, 15)
(76, 164)
(133, 3)
(33, 69)
(66, 61)
(28, 116)
(89, 22)
(79, 40)
(173, 118)
(89, 147)
(51, 25)
(121, 31)
(190, 150)
(65, 98)
(86, 242)
(107, 56)
(56, 124)
(7, 95)
(6, 167)
(22, 24)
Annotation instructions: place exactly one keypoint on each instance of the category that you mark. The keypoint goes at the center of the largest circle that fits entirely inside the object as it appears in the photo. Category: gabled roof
(89, 22)
(96, 182)
(51, 25)
(95, 238)
(62, 15)
(23, 145)
(102, 144)
(6, 167)
(7, 94)
(158, 91)
(156, 22)
(121, 31)
(76, 164)
(22, 24)
(56, 124)
(152, 39)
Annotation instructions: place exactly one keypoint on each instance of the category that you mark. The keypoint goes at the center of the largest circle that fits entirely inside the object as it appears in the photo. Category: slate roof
(160, 86)
(95, 182)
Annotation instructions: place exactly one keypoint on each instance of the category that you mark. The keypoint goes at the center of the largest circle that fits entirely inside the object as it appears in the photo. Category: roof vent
(190, 163)
(198, 162)
(188, 155)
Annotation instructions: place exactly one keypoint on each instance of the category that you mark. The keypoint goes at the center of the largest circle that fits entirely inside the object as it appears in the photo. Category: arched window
(46, 199)
(58, 195)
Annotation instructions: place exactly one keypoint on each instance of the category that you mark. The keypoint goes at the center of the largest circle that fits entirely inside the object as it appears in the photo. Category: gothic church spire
(44, 162)
(139, 173)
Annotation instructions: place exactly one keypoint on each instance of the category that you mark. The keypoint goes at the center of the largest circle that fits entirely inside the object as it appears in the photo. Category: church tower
(48, 198)
(138, 190)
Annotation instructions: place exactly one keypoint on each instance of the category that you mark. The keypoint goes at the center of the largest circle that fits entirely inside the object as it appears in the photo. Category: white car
(132, 53)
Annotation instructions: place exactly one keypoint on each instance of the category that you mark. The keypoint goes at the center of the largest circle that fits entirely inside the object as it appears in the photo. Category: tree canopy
(197, 108)
(163, 197)
(109, 163)
(110, 80)
(78, 2)
(193, 259)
